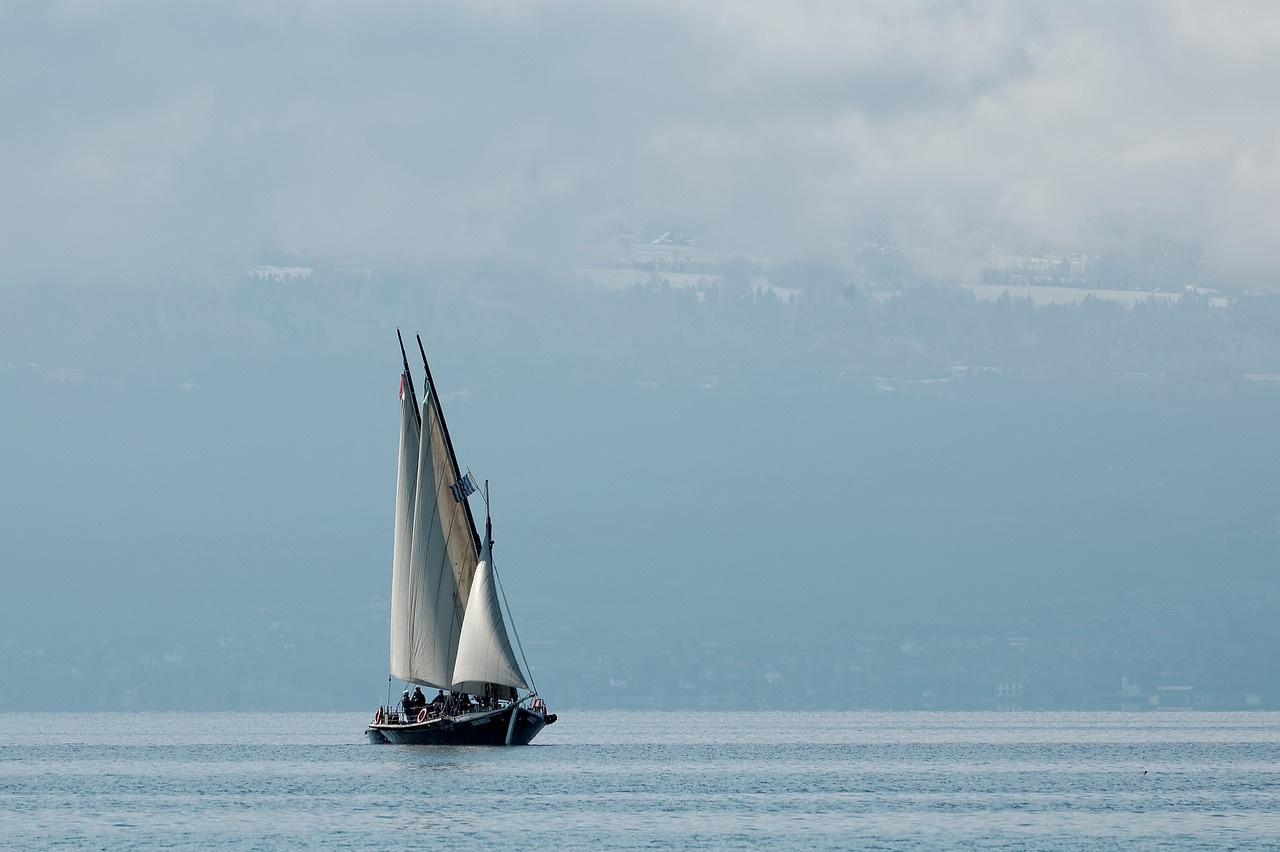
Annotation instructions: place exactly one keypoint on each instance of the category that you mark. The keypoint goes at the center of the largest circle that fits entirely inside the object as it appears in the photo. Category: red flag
(402, 387)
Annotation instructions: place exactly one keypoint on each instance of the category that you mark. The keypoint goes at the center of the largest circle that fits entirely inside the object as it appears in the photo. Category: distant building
(1130, 695)
(1173, 697)
(1008, 696)
(280, 273)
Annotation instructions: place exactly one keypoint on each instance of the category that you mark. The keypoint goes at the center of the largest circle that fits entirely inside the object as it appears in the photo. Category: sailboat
(447, 627)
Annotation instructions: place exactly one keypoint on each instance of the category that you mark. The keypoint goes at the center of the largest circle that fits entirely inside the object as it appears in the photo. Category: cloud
(157, 135)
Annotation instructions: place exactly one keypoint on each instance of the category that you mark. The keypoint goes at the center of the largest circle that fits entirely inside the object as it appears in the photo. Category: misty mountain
(703, 496)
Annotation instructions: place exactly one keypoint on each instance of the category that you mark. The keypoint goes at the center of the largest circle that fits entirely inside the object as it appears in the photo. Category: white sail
(406, 492)
(484, 650)
(442, 560)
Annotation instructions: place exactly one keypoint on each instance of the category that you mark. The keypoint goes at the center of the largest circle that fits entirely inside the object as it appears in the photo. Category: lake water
(652, 780)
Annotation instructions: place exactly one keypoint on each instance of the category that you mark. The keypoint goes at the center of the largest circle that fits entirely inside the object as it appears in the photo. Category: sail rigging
(437, 563)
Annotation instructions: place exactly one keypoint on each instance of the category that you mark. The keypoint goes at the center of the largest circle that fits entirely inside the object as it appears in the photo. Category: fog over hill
(704, 496)
(834, 354)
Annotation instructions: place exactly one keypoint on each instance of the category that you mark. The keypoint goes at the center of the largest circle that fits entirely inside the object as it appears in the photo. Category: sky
(147, 138)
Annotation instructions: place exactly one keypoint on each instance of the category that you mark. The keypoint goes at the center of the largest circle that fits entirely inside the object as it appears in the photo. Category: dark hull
(488, 728)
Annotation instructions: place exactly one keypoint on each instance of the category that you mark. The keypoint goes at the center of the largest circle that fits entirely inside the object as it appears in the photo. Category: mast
(444, 431)
(408, 374)
(488, 521)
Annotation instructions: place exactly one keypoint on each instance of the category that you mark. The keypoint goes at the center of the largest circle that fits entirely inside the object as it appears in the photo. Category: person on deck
(419, 700)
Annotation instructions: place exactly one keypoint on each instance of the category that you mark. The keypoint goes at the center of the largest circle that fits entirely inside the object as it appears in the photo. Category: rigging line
(493, 569)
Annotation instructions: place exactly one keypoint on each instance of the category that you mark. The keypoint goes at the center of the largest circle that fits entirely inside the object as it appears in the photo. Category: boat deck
(510, 725)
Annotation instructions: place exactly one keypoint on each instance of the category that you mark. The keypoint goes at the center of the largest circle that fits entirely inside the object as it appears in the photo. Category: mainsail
(484, 650)
(406, 494)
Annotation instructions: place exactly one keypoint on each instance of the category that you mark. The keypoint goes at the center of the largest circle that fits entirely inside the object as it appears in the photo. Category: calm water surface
(652, 780)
